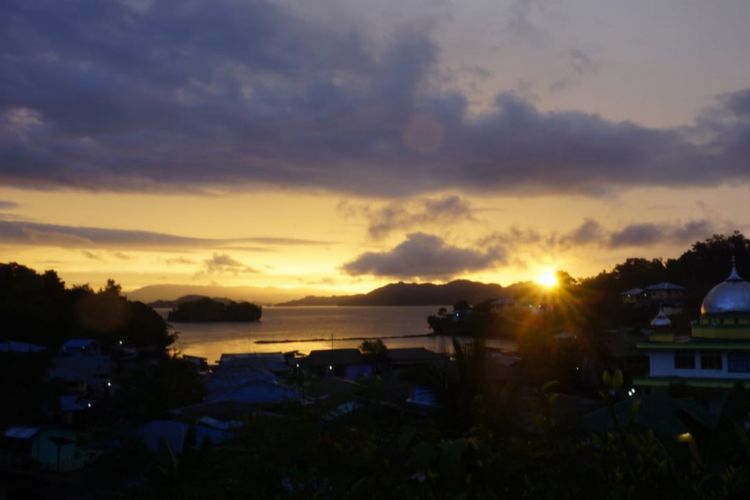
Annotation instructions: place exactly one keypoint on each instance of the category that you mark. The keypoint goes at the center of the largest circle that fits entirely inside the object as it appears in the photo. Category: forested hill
(205, 310)
(38, 308)
(410, 294)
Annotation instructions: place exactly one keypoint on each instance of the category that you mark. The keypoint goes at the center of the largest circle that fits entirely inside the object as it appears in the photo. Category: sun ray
(546, 279)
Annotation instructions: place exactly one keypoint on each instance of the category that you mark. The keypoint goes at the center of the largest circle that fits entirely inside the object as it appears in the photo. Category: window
(739, 362)
(684, 360)
(711, 361)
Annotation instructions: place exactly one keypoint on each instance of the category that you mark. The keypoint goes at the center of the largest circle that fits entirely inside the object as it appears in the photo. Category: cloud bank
(423, 256)
(221, 263)
(404, 215)
(212, 95)
(15, 232)
(591, 232)
(426, 256)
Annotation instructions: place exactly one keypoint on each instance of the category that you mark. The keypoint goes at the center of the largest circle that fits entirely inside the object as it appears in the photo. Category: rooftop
(664, 286)
(334, 357)
(78, 343)
(19, 347)
(20, 432)
(413, 355)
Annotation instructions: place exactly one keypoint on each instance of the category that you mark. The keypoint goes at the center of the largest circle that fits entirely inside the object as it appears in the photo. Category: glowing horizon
(415, 141)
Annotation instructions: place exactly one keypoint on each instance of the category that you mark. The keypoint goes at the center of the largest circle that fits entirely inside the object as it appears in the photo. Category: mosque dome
(730, 296)
(661, 320)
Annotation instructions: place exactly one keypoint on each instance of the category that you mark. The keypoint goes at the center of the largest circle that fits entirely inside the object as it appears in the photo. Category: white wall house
(689, 363)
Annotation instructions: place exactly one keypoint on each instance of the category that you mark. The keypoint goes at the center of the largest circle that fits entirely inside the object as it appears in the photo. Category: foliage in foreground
(384, 452)
(374, 456)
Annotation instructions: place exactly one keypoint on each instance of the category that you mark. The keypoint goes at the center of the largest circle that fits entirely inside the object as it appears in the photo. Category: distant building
(52, 449)
(502, 304)
(274, 362)
(633, 296)
(716, 354)
(83, 366)
(346, 363)
(668, 296)
(81, 347)
(665, 292)
(413, 356)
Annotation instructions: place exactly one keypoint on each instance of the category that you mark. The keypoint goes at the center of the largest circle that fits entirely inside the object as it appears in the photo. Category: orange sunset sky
(260, 143)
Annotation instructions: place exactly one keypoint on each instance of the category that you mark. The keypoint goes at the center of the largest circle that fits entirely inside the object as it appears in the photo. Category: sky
(339, 145)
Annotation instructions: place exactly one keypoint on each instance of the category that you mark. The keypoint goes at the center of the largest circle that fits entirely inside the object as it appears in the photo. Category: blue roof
(665, 286)
(19, 432)
(78, 343)
(19, 347)
(260, 393)
(73, 403)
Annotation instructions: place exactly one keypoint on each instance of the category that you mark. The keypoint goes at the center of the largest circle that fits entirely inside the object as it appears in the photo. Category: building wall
(662, 365)
(45, 451)
(723, 332)
(358, 371)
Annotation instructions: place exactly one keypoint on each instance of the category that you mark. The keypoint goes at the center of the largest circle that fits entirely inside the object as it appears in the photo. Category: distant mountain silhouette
(315, 300)
(393, 294)
(410, 294)
(259, 295)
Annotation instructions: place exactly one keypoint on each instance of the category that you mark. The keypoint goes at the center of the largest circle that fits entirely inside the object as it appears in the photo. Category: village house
(52, 449)
(346, 363)
(82, 364)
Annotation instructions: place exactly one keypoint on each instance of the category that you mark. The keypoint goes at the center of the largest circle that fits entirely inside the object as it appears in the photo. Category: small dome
(730, 296)
(661, 320)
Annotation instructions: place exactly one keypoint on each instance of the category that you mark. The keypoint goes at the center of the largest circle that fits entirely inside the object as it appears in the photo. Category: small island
(205, 310)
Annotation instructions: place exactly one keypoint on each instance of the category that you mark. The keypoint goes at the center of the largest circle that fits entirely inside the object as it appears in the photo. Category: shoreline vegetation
(322, 339)
(205, 310)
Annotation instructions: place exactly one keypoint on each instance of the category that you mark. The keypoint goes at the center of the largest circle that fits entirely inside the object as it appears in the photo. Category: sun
(546, 279)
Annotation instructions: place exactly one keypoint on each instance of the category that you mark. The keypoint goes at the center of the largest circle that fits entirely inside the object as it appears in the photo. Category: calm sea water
(308, 328)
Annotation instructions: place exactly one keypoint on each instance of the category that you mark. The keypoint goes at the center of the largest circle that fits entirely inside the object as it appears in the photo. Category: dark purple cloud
(737, 102)
(592, 232)
(648, 234)
(424, 256)
(579, 65)
(221, 263)
(404, 215)
(176, 96)
(15, 232)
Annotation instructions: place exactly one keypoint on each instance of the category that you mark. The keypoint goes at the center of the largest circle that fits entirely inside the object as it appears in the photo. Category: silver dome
(730, 296)
(661, 320)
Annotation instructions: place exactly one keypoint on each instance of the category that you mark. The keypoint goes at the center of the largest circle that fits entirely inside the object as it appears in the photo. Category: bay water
(304, 329)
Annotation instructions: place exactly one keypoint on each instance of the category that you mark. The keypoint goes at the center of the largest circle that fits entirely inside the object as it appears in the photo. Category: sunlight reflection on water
(210, 340)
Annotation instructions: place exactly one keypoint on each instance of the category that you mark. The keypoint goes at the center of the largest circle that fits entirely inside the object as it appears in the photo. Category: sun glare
(547, 279)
